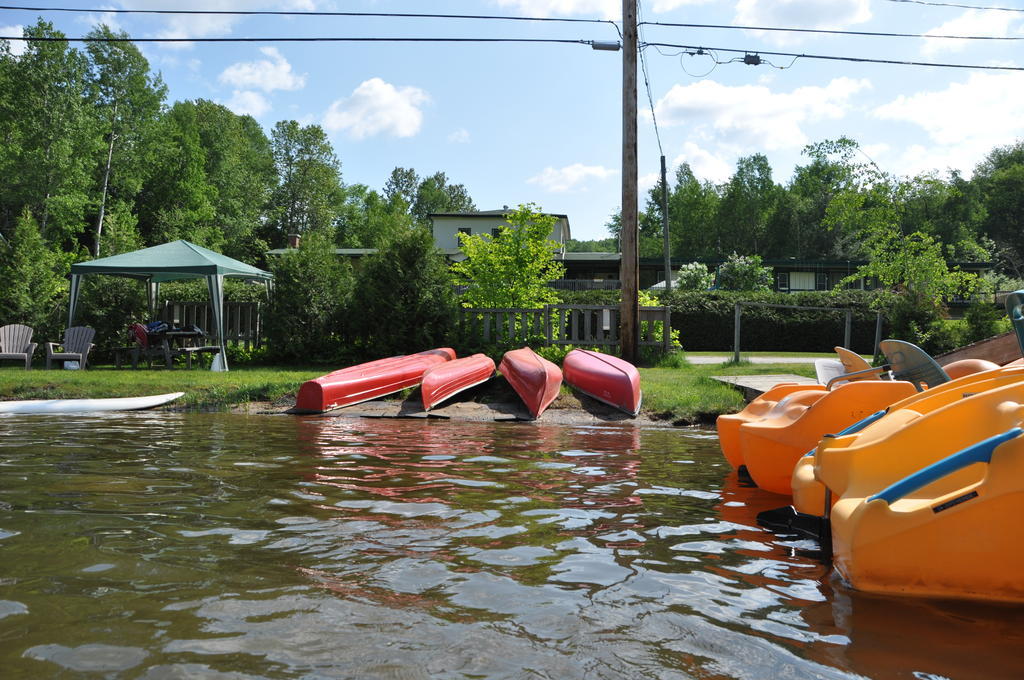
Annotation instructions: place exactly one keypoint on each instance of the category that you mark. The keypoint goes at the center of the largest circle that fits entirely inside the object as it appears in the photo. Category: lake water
(168, 545)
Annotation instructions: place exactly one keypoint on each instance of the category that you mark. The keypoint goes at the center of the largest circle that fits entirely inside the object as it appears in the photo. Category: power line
(296, 13)
(309, 39)
(959, 6)
(698, 50)
(836, 32)
(647, 86)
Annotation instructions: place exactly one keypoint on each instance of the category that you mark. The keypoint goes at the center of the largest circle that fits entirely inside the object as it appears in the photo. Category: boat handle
(980, 452)
(855, 428)
(884, 368)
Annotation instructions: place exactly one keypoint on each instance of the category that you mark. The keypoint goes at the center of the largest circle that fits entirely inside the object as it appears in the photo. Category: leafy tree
(309, 195)
(369, 220)
(694, 276)
(512, 270)
(1000, 178)
(401, 186)
(32, 289)
(404, 296)
(434, 195)
(747, 202)
(305, 320)
(128, 99)
(48, 135)
(744, 272)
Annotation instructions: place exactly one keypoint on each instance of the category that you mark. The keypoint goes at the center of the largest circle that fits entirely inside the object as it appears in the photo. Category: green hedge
(705, 320)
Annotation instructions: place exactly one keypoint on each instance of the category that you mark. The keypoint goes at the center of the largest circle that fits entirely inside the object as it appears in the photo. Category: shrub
(745, 273)
(694, 276)
(403, 300)
(306, 312)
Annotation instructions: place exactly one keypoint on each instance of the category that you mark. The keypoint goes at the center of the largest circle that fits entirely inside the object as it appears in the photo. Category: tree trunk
(103, 197)
(106, 181)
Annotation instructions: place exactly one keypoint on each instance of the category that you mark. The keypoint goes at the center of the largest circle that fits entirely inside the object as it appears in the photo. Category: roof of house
(488, 213)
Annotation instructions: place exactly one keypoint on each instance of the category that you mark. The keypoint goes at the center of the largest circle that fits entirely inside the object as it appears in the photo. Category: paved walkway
(718, 359)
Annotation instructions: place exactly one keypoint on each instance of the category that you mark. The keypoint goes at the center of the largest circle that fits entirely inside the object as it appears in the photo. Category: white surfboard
(87, 405)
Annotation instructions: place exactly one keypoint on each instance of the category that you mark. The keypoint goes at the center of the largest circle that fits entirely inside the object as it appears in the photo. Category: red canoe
(367, 381)
(448, 379)
(535, 379)
(604, 377)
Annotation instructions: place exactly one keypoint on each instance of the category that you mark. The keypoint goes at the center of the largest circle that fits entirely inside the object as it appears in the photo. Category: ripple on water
(247, 547)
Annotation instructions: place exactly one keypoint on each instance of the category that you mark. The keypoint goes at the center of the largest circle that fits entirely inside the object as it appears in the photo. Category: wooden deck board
(752, 386)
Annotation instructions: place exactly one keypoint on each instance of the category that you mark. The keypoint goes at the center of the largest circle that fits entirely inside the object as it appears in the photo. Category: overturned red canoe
(535, 379)
(604, 377)
(367, 381)
(448, 379)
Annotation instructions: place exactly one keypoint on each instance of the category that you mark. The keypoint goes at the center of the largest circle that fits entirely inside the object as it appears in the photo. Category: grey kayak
(87, 405)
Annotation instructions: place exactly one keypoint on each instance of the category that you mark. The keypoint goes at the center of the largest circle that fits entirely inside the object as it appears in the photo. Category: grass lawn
(682, 395)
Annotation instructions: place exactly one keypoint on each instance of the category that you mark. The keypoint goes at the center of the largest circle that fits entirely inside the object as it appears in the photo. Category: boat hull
(535, 379)
(445, 380)
(364, 382)
(604, 377)
(87, 405)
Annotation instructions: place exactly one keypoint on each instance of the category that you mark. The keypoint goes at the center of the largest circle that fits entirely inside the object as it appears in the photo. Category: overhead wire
(698, 49)
(873, 34)
(647, 84)
(959, 6)
(116, 39)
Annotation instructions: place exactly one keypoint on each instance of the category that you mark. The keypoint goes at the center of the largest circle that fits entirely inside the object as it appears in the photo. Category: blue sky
(541, 123)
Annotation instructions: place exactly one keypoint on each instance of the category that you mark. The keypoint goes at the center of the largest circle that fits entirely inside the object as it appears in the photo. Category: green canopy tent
(172, 262)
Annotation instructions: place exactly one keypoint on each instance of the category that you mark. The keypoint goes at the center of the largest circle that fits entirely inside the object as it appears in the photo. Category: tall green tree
(1000, 179)
(33, 288)
(747, 201)
(128, 99)
(435, 194)
(514, 268)
(48, 133)
(309, 194)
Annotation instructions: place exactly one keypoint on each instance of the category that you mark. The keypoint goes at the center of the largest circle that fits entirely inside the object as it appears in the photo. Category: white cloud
(208, 25)
(274, 73)
(248, 103)
(819, 14)
(645, 182)
(606, 9)
(570, 178)
(705, 165)
(660, 6)
(753, 115)
(17, 46)
(460, 136)
(377, 107)
(964, 121)
(972, 22)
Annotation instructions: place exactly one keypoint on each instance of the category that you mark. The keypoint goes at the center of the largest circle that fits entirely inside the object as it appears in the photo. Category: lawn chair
(16, 343)
(75, 347)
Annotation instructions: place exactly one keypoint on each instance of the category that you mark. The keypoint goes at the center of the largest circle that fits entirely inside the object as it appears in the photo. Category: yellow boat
(778, 399)
(951, 529)
(809, 473)
(772, 446)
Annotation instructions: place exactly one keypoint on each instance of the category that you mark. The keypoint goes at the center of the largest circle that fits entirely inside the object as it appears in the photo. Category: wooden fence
(588, 325)
(243, 321)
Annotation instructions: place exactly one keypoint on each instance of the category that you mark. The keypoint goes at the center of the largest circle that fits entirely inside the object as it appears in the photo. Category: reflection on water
(211, 545)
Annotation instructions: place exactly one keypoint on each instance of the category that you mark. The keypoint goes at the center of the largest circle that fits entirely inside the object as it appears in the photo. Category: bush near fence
(705, 320)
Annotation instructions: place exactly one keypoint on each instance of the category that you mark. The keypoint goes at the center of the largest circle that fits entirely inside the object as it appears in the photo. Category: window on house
(801, 281)
(821, 281)
(464, 230)
(495, 232)
(782, 282)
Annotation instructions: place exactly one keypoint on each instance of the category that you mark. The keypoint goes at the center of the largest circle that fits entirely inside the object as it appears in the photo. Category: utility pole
(664, 227)
(629, 312)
